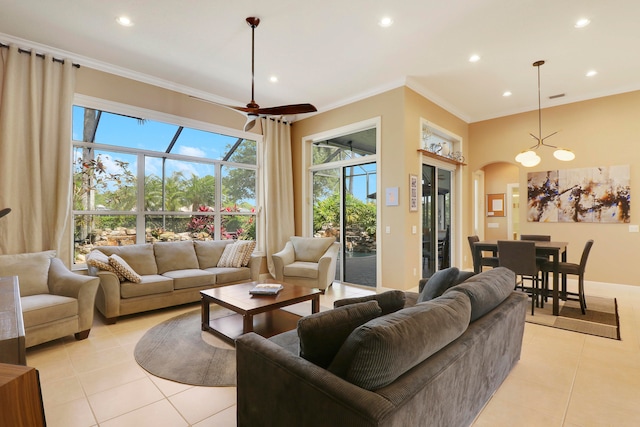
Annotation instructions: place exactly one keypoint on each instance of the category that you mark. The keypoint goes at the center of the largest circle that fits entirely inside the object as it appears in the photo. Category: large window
(140, 180)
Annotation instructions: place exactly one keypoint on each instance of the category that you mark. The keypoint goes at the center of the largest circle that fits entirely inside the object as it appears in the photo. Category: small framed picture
(413, 193)
(392, 196)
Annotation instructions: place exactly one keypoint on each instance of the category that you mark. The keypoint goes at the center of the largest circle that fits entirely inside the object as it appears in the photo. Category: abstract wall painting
(598, 194)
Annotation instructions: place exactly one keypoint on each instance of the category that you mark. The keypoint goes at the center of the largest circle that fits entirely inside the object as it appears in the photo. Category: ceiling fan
(253, 110)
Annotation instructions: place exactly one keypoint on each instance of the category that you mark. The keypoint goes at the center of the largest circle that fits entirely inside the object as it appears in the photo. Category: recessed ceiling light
(273, 79)
(385, 21)
(125, 21)
(507, 93)
(582, 22)
(474, 58)
(591, 73)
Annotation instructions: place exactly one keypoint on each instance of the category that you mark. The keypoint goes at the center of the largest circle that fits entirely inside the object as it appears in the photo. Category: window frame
(141, 154)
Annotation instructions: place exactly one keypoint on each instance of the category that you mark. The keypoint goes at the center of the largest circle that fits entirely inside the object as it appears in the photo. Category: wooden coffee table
(254, 313)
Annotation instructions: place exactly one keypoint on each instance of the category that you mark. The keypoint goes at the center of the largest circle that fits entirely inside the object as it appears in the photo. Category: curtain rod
(39, 55)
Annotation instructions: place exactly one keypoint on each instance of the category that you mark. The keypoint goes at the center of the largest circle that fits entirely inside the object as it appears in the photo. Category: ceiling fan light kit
(529, 158)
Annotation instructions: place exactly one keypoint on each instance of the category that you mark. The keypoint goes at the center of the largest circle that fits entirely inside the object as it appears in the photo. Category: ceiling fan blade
(285, 110)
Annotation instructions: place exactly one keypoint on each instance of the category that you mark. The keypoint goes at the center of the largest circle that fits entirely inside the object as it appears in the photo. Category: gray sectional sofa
(170, 273)
(393, 359)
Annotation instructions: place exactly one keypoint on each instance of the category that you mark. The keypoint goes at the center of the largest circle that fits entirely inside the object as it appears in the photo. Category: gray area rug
(178, 350)
(601, 318)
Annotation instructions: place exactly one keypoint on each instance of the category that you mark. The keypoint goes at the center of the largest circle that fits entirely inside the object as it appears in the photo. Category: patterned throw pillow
(249, 246)
(101, 261)
(237, 254)
(124, 269)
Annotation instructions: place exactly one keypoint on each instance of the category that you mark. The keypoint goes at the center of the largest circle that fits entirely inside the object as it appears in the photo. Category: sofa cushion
(172, 256)
(388, 301)
(311, 249)
(486, 290)
(288, 340)
(301, 269)
(151, 284)
(237, 254)
(440, 281)
(190, 278)
(210, 251)
(47, 308)
(124, 269)
(322, 334)
(140, 257)
(32, 270)
(99, 260)
(381, 350)
(229, 274)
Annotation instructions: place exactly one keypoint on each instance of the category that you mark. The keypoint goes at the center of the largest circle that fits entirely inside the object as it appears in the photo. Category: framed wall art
(413, 193)
(495, 204)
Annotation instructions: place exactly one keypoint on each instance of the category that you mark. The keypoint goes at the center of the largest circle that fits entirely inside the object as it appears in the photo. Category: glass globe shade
(531, 161)
(564, 154)
(524, 155)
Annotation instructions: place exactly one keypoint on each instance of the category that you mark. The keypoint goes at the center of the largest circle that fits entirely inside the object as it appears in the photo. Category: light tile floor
(563, 378)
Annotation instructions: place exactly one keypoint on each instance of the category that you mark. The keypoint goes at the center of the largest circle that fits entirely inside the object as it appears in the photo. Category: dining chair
(536, 237)
(519, 256)
(485, 261)
(565, 268)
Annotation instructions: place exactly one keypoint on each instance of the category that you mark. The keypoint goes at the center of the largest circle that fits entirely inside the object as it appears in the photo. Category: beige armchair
(55, 301)
(307, 261)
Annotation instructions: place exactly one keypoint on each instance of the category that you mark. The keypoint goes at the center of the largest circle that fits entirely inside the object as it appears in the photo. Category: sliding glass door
(437, 211)
(344, 180)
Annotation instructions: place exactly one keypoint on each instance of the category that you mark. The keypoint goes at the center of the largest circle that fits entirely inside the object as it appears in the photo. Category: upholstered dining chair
(484, 261)
(537, 238)
(519, 256)
(565, 268)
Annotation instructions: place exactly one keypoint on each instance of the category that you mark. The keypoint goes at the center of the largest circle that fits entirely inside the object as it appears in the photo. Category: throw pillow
(249, 247)
(486, 290)
(237, 254)
(124, 269)
(322, 334)
(32, 270)
(389, 301)
(438, 283)
(99, 260)
(378, 352)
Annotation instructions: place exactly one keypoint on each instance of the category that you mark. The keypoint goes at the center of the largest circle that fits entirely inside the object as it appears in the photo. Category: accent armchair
(55, 301)
(307, 261)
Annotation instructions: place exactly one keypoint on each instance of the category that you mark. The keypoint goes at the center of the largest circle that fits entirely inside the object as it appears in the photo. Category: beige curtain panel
(278, 188)
(36, 96)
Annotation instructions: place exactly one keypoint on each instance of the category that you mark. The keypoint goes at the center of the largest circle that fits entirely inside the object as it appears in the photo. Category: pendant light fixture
(529, 158)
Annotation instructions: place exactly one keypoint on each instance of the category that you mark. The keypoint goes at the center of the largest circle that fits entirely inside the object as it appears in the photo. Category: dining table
(556, 250)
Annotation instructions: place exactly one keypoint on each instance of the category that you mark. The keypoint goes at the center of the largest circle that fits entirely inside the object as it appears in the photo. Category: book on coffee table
(266, 289)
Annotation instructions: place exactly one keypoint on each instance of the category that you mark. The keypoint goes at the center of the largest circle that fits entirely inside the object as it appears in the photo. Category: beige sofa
(55, 301)
(307, 261)
(169, 273)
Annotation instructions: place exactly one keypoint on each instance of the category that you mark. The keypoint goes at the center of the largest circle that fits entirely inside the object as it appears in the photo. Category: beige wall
(601, 132)
(110, 87)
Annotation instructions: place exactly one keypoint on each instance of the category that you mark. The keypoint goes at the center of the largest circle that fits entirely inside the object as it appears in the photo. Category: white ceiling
(333, 52)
